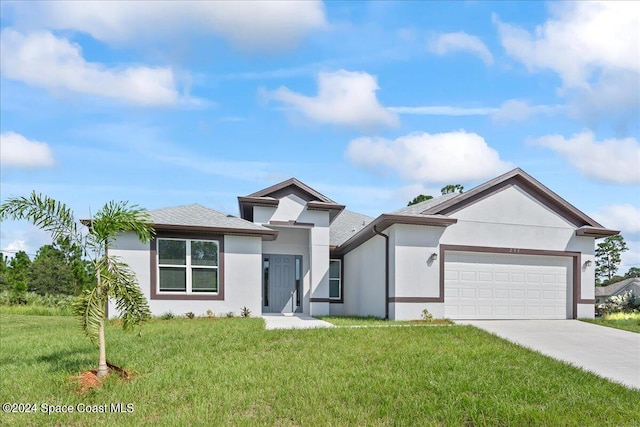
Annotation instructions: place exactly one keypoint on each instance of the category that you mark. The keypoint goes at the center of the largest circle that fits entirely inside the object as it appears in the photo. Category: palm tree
(113, 278)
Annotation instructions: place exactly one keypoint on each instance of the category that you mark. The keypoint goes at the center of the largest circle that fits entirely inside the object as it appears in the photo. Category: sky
(371, 103)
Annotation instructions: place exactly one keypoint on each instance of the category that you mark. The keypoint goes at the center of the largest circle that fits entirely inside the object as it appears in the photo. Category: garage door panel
(501, 286)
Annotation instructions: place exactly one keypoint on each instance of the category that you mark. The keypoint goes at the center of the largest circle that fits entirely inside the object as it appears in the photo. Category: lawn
(624, 321)
(354, 321)
(233, 372)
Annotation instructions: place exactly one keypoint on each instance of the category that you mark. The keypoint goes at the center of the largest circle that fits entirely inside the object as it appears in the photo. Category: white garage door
(499, 286)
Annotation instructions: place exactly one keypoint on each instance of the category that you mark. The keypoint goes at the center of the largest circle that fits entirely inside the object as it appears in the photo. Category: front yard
(233, 372)
(624, 321)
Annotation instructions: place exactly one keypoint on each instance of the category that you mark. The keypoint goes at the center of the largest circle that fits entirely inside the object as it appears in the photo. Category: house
(507, 249)
(603, 293)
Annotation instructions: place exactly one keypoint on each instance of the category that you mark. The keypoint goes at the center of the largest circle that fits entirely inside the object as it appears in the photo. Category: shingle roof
(615, 288)
(418, 208)
(346, 225)
(199, 216)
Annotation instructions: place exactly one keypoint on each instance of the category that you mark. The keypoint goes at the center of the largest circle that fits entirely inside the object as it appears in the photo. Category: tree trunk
(103, 369)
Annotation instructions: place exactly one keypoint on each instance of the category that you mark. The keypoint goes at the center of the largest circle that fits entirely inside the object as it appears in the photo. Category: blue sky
(371, 103)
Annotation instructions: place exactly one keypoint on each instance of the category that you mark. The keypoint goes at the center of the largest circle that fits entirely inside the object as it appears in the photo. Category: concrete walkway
(608, 352)
(294, 321)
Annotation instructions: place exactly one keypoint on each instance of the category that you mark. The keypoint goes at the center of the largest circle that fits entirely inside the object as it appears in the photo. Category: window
(188, 266)
(335, 271)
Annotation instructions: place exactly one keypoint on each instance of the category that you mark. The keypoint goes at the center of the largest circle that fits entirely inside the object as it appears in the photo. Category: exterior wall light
(587, 263)
(433, 257)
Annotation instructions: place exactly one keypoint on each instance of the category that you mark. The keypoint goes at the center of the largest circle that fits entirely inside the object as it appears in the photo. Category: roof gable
(292, 186)
(527, 183)
(271, 197)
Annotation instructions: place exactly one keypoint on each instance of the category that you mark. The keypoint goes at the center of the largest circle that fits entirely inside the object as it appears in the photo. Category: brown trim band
(153, 263)
(414, 299)
(292, 223)
(266, 234)
(320, 300)
(596, 232)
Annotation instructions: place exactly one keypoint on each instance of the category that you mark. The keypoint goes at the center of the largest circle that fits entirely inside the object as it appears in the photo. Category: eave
(385, 221)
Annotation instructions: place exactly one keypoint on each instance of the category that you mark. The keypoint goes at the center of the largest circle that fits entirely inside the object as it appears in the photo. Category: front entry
(282, 284)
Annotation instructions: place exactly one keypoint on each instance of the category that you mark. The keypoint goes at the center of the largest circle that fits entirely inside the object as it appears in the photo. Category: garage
(507, 286)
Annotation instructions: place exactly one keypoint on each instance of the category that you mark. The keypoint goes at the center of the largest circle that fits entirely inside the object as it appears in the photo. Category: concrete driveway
(608, 352)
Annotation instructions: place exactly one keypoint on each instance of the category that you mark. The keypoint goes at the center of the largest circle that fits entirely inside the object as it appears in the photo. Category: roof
(437, 211)
(271, 196)
(632, 283)
(347, 224)
(525, 181)
(290, 185)
(419, 208)
(199, 218)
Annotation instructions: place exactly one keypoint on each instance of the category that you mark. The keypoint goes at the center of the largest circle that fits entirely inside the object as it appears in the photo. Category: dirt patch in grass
(89, 380)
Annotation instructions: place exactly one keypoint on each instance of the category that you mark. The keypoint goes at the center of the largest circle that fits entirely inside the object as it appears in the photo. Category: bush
(230, 314)
(245, 312)
(628, 302)
(426, 316)
(190, 315)
(211, 314)
(167, 316)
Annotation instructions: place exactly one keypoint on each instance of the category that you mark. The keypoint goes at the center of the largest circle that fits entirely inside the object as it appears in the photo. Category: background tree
(633, 272)
(608, 257)
(4, 273)
(452, 188)
(50, 273)
(19, 267)
(113, 278)
(419, 198)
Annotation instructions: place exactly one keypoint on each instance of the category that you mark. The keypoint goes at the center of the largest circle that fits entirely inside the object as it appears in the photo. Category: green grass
(35, 310)
(233, 372)
(624, 321)
(376, 321)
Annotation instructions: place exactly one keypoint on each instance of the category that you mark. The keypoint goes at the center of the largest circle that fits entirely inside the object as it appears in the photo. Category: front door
(281, 290)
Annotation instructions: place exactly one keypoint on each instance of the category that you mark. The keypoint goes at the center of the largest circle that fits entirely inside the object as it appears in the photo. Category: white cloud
(344, 98)
(510, 110)
(16, 150)
(15, 246)
(43, 60)
(249, 25)
(520, 110)
(612, 160)
(444, 157)
(459, 42)
(593, 47)
(624, 217)
(444, 110)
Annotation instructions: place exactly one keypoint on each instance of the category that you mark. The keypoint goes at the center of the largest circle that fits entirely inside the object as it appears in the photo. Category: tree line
(56, 269)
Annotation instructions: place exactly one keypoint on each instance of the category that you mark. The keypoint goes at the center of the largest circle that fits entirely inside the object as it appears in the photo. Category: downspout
(386, 271)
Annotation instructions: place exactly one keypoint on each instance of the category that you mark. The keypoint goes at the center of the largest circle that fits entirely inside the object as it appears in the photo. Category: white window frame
(188, 266)
(339, 279)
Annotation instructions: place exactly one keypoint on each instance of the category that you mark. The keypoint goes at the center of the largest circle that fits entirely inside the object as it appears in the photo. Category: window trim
(188, 266)
(154, 282)
(338, 299)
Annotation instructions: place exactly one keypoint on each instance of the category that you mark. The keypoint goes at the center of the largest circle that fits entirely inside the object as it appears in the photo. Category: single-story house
(603, 293)
(507, 249)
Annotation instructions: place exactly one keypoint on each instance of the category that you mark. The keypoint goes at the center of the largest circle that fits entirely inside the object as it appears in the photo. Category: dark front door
(281, 282)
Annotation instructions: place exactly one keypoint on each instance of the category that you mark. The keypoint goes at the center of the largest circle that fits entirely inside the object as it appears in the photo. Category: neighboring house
(603, 293)
(507, 249)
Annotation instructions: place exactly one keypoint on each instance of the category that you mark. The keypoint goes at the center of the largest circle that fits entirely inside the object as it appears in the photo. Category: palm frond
(44, 212)
(121, 284)
(118, 217)
(89, 307)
